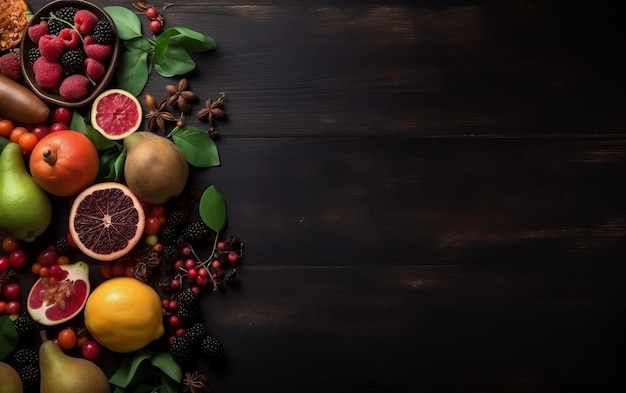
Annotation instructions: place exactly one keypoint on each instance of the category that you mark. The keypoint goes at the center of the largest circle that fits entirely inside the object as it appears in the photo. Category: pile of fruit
(138, 246)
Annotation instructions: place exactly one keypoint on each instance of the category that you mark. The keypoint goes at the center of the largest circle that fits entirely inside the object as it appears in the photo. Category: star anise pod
(157, 115)
(195, 383)
(181, 95)
(213, 109)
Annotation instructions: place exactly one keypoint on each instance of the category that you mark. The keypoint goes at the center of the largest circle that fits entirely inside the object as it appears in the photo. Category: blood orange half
(106, 221)
(116, 113)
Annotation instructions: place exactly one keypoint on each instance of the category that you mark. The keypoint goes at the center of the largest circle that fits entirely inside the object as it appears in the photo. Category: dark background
(431, 193)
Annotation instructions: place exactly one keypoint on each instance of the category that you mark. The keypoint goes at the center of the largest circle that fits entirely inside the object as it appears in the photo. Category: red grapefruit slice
(116, 113)
(54, 300)
(106, 221)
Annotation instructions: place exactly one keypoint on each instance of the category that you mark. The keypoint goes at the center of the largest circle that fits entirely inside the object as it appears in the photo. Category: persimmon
(64, 163)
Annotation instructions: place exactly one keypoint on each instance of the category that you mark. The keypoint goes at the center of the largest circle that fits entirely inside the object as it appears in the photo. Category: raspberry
(85, 21)
(73, 61)
(74, 87)
(103, 32)
(212, 348)
(96, 51)
(48, 74)
(10, 66)
(35, 32)
(94, 69)
(51, 47)
(70, 38)
(33, 55)
(181, 350)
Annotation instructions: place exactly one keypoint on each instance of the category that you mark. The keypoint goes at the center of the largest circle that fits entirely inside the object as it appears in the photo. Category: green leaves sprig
(147, 371)
(168, 54)
(8, 336)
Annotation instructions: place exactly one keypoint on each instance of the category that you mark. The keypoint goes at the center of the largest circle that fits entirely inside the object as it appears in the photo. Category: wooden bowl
(26, 44)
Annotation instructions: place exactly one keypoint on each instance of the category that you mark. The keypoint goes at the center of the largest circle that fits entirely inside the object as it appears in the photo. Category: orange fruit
(16, 133)
(6, 126)
(67, 338)
(64, 163)
(27, 141)
(106, 221)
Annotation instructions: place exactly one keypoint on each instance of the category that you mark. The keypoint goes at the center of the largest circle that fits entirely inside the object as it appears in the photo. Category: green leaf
(100, 141)
(162, 44)
(175, 61)
(132, 71)
(128, 369)
(193, 41)
(126, 21)
(139, 43)
(168, 385)
(164, 362)
(212, 209)
(118, 167)
(197, 146)
(3, 142)
(8, 336)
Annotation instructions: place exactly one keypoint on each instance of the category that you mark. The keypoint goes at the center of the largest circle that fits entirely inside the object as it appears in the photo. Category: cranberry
(186, 251)
(165, 303)
(156, 26)
(13, 307)
(202, 281)
(152, 13)
(5, 264)
(90, 350)
(47, 257)
(58, 127)
(174, 321)
(203, 272)
(178, 264)
(158, 210)
(216, 264)
(11, 291)
(196, 290)
(221, 246)
(233, 257)
(179, 332)
(175, 284)
(18, 259)
(173, 306)
(40, 130)
(62, 115)
(190, 264)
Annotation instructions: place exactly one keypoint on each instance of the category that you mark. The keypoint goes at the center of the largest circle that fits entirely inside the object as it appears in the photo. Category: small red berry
(203, 272)
(5, 264)
(165, 303)
(180, 332)
(186, 251)
(13, 307)
(174, 321)
(157, 211)
(221, 246)
(216, 264)
(196, 290)
(193, 274)
(156, 26)
(18, 259)
(40, 130)
(202, 281)
(90, 350)
(11, 291)
(55, 271)
(233, 257)
(152, 13)
(62, 115)
(179, 264)
(173, 306)
(58, 126)
(190, 264)
(175, 284)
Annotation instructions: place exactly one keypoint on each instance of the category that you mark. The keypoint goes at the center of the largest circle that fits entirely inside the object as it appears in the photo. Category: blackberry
(33, 55)
(181, 350)
(195, 232)
(212, 349)
(23, 325)
(55, 26)
(169, 255)
(23, 357)
(73, 61)
(103, 32)
(30, 378)
(66, 13)
(168, 233)
(187, 298)
(62, 246)
(178, 217)
(196, 333)
(188, 314)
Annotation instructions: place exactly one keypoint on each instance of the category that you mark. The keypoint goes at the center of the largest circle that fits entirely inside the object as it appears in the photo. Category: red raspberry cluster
(70, 62)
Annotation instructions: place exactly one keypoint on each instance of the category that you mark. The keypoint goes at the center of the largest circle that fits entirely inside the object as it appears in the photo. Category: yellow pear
(10, 379)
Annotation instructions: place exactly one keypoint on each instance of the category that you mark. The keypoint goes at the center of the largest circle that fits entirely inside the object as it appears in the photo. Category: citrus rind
(116, 113)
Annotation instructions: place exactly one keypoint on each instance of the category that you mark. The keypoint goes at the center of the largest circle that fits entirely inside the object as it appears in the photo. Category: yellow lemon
(123, 314)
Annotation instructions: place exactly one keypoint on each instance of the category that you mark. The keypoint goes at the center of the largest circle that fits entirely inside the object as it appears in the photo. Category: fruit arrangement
(105, 220)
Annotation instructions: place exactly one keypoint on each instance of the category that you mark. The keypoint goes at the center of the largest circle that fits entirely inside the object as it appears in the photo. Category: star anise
(157, 115)
(195, 383)
(181, 95)
(213, 109)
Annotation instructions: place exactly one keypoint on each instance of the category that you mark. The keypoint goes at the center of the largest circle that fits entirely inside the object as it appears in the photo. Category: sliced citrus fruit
(106, 221)
(57, 299)
(116, 113)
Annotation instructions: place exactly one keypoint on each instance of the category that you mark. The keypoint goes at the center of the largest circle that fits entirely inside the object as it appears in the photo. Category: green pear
(25, 210)
(11, 382)
(155, 169)
(61, 373)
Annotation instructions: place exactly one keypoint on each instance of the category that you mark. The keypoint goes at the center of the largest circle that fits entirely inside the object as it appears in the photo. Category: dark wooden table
(431, 193)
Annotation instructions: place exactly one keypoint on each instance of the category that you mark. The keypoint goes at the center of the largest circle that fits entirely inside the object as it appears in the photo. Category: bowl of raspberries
(69, 52)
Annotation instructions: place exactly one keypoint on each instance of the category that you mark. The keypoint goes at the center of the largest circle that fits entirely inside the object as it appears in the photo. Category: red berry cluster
(156, 17)
(74, 44)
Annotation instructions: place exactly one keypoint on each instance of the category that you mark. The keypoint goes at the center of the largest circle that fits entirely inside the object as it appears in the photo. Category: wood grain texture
(431, 193)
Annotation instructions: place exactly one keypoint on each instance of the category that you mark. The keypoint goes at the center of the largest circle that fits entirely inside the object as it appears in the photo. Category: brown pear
(155, 169)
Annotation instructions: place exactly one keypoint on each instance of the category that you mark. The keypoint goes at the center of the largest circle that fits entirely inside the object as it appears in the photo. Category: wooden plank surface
(431, 193)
